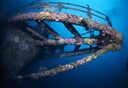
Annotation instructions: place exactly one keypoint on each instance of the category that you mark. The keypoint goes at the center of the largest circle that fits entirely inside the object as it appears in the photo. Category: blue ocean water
(108, 71)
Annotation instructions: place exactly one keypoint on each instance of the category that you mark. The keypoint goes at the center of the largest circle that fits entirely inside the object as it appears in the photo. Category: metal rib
(72, 29)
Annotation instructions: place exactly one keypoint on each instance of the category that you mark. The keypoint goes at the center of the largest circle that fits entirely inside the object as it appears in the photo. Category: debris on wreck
(108, 40)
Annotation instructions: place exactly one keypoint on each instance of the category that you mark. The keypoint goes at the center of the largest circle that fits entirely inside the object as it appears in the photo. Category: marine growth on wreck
(40, 12)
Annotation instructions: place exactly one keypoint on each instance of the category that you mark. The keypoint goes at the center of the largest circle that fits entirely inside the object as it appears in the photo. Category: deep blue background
(108, 71)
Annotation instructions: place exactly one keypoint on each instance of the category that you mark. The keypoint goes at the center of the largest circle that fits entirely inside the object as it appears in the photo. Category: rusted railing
(62, 5)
